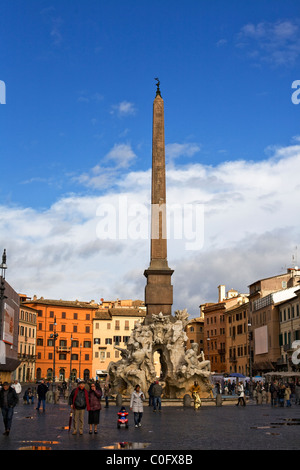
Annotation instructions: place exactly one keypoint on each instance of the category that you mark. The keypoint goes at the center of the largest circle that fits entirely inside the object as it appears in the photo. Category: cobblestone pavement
(228, 427)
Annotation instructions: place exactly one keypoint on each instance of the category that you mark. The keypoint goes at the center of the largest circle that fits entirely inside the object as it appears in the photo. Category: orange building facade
(64, 338)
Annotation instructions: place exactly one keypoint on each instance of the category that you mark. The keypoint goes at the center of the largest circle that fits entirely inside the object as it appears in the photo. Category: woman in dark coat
(95, 407)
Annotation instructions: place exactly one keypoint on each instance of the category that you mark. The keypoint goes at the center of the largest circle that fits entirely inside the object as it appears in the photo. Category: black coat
(12, 398)
(42, 390)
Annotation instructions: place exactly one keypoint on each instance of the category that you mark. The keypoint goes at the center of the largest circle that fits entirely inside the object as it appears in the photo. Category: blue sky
(77, 123)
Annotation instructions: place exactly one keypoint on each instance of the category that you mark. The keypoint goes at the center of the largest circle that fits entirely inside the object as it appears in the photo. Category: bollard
(49, 397)
(259, 399)
(219, 400)
(56, 397)
(119, 400)
(187, 400)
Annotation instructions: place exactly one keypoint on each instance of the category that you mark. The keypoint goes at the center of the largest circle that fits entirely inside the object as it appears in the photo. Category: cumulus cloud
(88, 247)
(106, 173)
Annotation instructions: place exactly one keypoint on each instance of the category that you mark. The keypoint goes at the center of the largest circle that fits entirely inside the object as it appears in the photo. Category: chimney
(222, 295)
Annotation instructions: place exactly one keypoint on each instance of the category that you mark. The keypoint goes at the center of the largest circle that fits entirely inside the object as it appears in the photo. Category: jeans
(7, 413)
(30, 398)
(156, 403)
(43, 401)
(137, 418)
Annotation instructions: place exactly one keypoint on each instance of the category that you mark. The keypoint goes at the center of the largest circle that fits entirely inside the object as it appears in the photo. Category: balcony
(26, 357)
(63, 349)
(233, 359)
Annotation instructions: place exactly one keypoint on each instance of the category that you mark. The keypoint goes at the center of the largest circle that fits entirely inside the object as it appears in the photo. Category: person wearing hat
(79, 401)
(8, 400)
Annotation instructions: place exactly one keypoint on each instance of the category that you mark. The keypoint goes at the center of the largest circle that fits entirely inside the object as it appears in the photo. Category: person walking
(273, 391)
(41, 392)
(95, 395)
(157, 391)
(18, 388)
(241, 394)
(287, 395)
(79, 401)
(150, 393)
(297, 393)
(136, 405)
(107, 388)
(8, 401)
(281, 391)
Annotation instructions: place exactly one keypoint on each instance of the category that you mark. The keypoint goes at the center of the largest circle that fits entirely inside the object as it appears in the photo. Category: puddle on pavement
(38, 445)
(128, 445)
(35, 448)
(286, 422)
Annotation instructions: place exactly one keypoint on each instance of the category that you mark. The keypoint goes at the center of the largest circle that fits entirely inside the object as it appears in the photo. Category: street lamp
(80, 361)
(249, 339)
(54, 336)
(2, 289)
(71, 360)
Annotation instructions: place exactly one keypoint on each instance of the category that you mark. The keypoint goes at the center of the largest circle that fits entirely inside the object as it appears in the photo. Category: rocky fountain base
(180, 367)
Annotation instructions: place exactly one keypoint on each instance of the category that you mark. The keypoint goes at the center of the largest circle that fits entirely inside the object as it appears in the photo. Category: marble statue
(180, 367)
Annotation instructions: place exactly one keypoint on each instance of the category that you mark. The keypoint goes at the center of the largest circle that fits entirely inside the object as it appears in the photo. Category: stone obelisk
(158, 291)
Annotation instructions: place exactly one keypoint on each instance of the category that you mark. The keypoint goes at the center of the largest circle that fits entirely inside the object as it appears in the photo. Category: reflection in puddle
(35, 448)
(128, 445)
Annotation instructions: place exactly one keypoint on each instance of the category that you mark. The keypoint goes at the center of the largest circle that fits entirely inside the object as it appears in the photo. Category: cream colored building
(26, 344)
(237, 346)
(112, 327)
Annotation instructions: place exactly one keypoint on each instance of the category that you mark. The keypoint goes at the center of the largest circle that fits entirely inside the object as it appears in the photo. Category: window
(51, 314)
(108, 341)
(97, 341)
(88, 316)
(126, 339)
(117, 339)
(63, 328)
(126, 325)
(87, 344)
(74, 328)
(117, 325)
(75, 316)
(87, 329)
(63, 314)
(108, 326)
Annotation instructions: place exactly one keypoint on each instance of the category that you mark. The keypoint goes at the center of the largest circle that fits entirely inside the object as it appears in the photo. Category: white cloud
(101, 176)
(277, 43)
(251, 228)
(176, 150)
(125, 108)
